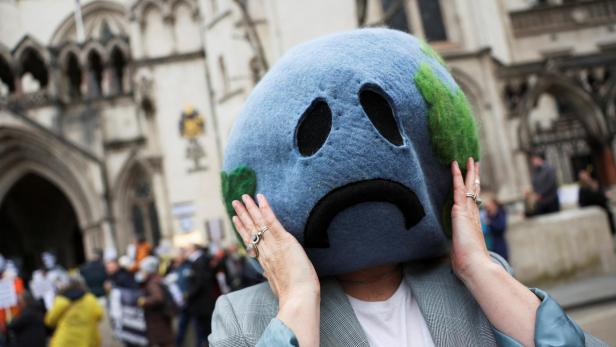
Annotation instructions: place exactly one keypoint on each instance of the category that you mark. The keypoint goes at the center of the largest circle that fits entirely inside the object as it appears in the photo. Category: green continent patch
(452, 127)
(242, 180)
(429, 51)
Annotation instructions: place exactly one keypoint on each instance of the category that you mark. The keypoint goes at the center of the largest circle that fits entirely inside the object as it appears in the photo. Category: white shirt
(396, 321)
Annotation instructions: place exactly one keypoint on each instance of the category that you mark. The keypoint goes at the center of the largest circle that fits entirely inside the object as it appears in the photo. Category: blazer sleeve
(227, 332)
(552, 328)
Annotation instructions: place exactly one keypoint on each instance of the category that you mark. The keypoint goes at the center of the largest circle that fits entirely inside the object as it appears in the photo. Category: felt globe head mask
(350, 138)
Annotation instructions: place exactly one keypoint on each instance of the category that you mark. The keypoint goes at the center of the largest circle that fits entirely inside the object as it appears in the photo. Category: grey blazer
(453, 316)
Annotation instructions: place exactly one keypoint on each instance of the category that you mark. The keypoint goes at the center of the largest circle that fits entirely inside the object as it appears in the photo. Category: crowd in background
(176, 290)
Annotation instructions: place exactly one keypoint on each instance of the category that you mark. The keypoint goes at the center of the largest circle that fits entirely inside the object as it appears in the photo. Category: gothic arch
(69, 48)
(142, 7)
(134, 170)
(28, 42)
(72, 70)
(95, 46)
(93, 14)
(192, 5)
(7, 69)
(119, 43)
(24, 152)
(589, 113)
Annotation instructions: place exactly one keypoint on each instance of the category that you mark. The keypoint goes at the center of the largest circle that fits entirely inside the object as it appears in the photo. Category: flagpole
(79, 22)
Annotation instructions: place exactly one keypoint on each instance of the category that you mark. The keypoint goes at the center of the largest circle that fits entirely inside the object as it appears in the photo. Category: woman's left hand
(468, 251)
(508, 304)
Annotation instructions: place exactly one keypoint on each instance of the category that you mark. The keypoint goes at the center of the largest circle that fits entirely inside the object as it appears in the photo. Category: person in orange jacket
(8, 273)
(142, 249)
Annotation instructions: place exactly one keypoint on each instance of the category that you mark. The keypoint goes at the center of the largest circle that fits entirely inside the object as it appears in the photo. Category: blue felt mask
(350, 137)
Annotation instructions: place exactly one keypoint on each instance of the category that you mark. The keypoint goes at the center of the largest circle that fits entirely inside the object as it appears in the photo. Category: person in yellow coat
(75, 315)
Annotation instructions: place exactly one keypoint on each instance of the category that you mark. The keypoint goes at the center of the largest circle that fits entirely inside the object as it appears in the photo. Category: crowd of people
(152, 296)
(155, 296)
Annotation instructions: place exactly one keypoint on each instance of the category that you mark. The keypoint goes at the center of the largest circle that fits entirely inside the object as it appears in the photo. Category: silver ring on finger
(471, 195)
(256, 238)
(252, 250)
(262, 230)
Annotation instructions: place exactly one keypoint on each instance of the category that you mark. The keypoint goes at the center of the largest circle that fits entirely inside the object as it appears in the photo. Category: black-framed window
(394, 15)
(432, 20)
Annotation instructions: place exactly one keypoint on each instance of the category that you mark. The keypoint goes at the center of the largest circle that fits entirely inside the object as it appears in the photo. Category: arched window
(142, 207)
(157, 35)
(95, 73)
(73, 76)
(7, 78)
(34, 72)
(186, 28)
(118, 67)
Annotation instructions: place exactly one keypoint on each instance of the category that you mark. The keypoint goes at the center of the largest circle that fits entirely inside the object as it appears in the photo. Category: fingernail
(245, 197)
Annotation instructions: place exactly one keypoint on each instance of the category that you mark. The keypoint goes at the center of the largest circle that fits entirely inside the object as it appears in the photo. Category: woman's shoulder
(256, 295)
(243, 315)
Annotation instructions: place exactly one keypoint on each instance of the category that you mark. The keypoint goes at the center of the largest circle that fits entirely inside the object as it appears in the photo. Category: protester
(590, 194)
(543, 198)
(46, 281)
(180, 270)
(200, 297)
(125, 317)
(158, 320)
(118, 274)
(138, 250)
(9, 277)
(94, 274)
(497, 226)
(28, 328)
(370, 232)
(74, 315)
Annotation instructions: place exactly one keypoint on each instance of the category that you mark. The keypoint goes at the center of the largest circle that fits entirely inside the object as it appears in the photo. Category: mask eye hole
(381, 114)
(314, 127)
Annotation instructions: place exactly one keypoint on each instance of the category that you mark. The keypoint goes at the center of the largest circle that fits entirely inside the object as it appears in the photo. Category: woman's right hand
(288, 270)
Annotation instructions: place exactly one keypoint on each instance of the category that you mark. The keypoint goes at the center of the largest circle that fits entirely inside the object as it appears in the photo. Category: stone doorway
(36, 216)
(564, 121)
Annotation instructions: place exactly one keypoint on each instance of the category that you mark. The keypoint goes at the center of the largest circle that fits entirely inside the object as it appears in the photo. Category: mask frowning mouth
(341, 198)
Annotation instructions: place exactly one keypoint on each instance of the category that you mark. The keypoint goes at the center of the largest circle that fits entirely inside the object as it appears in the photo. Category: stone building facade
(114, 129)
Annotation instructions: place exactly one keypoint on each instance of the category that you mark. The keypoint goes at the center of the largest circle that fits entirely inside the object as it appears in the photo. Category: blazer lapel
(339, 325)
(451, 313)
